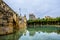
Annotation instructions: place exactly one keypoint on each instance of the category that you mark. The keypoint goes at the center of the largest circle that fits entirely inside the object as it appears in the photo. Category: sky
(40, 8)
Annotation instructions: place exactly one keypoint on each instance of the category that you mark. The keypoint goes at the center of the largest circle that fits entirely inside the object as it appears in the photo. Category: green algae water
(40, 36)
(41, 33)
(38, 33)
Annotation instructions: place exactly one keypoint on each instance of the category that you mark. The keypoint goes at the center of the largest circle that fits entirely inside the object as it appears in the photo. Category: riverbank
(45, 29)
(33, 26)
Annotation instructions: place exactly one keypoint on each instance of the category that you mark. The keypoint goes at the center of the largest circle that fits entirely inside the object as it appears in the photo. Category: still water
(40, 36)
(41, 33)
(45, 33)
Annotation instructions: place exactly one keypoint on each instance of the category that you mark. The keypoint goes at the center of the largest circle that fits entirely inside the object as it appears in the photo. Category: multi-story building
(32, 17)
(48, 17)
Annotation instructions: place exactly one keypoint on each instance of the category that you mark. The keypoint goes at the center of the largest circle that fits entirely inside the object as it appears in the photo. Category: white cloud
(42, 7)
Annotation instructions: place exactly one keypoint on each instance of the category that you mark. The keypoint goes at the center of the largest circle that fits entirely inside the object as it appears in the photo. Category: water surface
(40, 36)
(41, 33)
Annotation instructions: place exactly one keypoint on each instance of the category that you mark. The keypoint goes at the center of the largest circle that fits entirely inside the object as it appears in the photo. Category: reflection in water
(42, 33)
(40, 36)
(46, 33)
(14, 36)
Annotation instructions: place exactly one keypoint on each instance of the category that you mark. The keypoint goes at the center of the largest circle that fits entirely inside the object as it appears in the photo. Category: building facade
(32, 17)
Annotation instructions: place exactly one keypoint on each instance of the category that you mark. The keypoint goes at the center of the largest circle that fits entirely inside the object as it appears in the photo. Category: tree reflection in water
(41, 34)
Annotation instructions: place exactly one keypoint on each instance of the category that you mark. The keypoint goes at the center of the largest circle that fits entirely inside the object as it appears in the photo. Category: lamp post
(20, 11)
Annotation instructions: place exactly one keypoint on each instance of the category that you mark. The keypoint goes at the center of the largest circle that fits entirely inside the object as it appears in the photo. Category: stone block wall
(6, 19)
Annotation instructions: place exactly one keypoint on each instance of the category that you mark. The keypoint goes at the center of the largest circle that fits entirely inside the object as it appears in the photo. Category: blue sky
(40, 8)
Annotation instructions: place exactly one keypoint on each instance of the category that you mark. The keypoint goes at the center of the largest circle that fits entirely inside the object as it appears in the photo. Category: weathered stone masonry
(7, 18)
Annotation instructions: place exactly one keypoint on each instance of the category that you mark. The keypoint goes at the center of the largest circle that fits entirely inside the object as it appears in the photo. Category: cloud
(39, 7)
